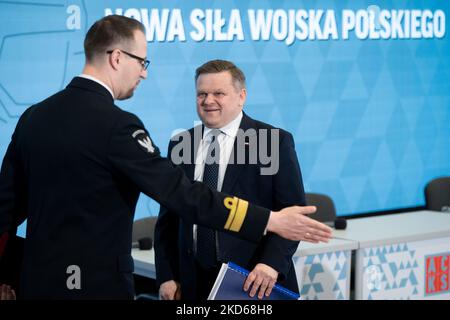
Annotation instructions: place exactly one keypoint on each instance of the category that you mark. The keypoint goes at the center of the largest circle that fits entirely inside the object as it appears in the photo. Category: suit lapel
(233, 171)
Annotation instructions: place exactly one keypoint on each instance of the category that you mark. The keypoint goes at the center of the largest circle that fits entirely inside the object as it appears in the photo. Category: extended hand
(263, 277)
(293, 224)
(170, 290)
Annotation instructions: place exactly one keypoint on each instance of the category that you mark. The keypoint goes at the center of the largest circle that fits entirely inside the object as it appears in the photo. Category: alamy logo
(251, 146)
(437, 274)
(74, 280)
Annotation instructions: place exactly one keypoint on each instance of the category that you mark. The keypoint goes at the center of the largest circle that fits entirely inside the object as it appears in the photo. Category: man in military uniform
(76, 165)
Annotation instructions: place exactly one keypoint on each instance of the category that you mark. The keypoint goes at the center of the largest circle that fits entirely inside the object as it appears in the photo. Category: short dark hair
(108, 31)
(216, 66)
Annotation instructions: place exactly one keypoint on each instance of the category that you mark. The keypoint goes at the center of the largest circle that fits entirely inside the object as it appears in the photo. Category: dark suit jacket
(11, 253)
(75, 166)
(174, 242)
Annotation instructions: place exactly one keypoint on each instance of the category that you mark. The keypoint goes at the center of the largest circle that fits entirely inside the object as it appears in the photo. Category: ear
(115, 59)
(242, 97)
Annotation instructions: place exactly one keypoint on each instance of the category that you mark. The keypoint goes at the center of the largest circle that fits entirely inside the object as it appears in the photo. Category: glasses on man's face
(144, 62)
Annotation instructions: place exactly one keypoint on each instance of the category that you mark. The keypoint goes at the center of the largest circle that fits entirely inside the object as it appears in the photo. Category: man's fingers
(263, 288)
(248, 282)
(320, 229)
(163, 296)
(167, 295)
(321, 234)
(168, 290)
(270, 287)
(306, 209)
(311, 238)
(255, 287)
(318, 225)
(325, 229)
(317, 235)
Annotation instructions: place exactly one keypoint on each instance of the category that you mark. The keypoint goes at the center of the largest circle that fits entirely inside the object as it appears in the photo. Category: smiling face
(219, 99)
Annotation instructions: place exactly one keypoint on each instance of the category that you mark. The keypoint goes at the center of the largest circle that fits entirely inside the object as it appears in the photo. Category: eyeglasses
(144, 62)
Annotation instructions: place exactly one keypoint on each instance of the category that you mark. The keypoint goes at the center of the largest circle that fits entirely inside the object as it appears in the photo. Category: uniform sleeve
(133, 155)
(288, 191)
(166, 244)
(166, 247)
(12, 189)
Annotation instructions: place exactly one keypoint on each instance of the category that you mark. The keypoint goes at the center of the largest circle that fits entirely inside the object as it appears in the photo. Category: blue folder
(230, 283)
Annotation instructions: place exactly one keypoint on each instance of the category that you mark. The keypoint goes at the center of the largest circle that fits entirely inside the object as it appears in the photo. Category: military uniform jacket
(74, 168)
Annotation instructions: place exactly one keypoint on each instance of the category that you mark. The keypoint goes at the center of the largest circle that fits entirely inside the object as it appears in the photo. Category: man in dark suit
(11, 253)
(76, 164)
(243, 170)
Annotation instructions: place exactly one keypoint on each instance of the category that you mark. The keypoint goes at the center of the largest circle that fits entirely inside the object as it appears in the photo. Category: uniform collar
(86, 76)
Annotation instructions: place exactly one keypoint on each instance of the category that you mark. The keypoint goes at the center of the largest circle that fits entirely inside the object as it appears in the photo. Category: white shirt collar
(86, 76)
(230, 129)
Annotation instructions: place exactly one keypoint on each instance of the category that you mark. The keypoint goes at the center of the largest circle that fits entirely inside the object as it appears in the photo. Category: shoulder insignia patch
(144, 140)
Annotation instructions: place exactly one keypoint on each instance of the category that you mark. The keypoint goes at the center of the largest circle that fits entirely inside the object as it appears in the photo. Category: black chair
(326, 211)
(437, 194)
(145, 288)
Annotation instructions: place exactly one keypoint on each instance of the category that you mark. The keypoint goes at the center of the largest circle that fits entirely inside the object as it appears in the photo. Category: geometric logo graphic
(390, 271)
(373, 277)
(437, 274)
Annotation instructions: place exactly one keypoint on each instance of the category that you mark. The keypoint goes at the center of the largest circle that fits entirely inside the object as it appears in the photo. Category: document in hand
(230, 283)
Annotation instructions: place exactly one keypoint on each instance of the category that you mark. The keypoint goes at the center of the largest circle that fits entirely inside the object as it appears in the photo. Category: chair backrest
(326, 210)
(144, 228)
(437, 194)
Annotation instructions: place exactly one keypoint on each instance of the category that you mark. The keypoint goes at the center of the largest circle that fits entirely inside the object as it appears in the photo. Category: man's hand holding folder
(230, 281)
(264, 278)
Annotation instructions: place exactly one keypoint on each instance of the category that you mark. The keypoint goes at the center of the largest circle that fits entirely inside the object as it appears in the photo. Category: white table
(323, 270)
(401, 256)
(144, 263)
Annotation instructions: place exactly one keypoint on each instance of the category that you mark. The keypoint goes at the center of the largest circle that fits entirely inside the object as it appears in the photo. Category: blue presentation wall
(363, 86)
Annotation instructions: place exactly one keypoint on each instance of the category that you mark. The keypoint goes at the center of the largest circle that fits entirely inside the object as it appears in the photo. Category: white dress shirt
(226, 142)
(86, 76)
